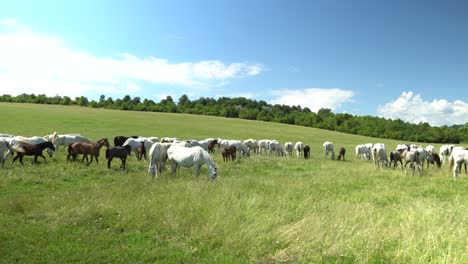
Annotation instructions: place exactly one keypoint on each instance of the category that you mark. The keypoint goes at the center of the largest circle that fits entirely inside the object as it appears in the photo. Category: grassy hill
(261, 209)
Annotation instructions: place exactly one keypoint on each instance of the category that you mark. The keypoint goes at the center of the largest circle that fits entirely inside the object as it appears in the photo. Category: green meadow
(260, 210)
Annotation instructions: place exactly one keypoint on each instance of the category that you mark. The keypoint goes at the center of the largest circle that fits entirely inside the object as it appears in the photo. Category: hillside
(261, 209)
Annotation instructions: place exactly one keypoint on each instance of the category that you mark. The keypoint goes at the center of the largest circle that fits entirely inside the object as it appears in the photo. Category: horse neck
(100, 143)
(209, 161)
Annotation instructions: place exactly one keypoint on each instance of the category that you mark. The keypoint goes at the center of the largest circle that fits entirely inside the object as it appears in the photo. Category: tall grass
(261, 209)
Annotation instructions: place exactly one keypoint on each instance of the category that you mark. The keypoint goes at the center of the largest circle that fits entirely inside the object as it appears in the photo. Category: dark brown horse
(86, 149)
(436, 159)
(25, 149)
(341, 153)
(306, 152)
(212, 144)
(229, 153)
(118, 152)
(395, 156)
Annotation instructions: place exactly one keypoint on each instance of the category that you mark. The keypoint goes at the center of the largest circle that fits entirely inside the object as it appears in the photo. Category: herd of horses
(195, 153)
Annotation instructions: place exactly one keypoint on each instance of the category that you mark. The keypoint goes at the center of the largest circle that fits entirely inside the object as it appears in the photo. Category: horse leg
(35, 159)
(173, 167)
(197, 170)
(43, 157)
(109, 162)
(87, 164)
(14, 159)
(124, 161)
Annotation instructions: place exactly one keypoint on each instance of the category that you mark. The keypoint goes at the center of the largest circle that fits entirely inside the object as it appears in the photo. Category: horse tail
(451, 163)
(151, 167)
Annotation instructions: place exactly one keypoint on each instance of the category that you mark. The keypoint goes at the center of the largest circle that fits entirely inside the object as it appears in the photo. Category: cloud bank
(33, 62)
(412, 108)
(313, 98)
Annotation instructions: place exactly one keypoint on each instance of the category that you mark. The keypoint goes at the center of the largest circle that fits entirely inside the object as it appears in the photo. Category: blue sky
(397, 59)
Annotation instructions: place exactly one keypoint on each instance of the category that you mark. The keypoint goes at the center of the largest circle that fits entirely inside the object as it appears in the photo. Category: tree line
(244, 108)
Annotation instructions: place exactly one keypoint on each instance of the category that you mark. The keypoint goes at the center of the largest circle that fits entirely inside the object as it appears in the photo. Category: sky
(393, 59)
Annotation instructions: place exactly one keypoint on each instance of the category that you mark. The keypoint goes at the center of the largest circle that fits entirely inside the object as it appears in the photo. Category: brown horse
(86, 149)
(395, 156)
(141, 151)
(25, 149)
(229, 153)
(342, 153)
(212, 144)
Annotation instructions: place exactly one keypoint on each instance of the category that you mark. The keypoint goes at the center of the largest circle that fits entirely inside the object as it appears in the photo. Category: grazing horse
(436, 159)
(306, 152)
(445, 151)
(362, 152)
(252, 145)
(457, 158)
(212, 144)
(229, 153)
(86, 149)
(430, 149)
(141, 151)
(395, 156)
(119, 140)
(158, 157)
(412, 157)
(328, 146)
(299, 148)
(379, 155)
(25, 149)
(117, 152)
(288, 147)
(4, 145)
(191, 157)
(341, 153)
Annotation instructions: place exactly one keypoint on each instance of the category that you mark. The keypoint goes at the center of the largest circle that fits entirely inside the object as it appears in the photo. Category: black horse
(118, 152)
(306, 152)
(120, 140)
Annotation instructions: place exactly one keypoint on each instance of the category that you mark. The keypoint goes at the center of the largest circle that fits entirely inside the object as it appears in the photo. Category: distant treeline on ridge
(260, 110)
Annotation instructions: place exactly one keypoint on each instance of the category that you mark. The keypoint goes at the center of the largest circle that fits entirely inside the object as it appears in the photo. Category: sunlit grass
(261, 209)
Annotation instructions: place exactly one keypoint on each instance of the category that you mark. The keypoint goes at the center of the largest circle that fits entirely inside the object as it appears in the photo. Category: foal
(229, 153)
(118, 152)
(341, 153)
(140, 151)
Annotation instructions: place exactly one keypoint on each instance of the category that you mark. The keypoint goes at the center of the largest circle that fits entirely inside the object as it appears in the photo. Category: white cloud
(412, 108)
(313, 98)
(34, 62)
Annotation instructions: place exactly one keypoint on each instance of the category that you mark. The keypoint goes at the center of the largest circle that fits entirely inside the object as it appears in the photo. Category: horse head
(213, 173)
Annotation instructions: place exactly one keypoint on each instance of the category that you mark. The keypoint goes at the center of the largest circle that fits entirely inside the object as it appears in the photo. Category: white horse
(329, 149)
(200, 143)
(412, 157)
(252, 145)
(458, 156)
(379, 155)
(67, 139)
(445, 151)
(430, 149)
(263, 145)
(157, 157)
(275, 147)
(240, 147)
(362, 152)
(191, 157)
(299, 148)
(288, 148)
(4, 145)
(136, 142)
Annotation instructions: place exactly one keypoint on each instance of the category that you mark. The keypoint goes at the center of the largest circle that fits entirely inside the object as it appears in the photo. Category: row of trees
(260, 110)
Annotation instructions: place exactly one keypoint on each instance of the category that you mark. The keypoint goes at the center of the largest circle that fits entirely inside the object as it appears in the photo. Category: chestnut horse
(86, 148)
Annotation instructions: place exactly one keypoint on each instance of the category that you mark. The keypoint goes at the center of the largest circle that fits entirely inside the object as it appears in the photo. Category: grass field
(260, 210)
